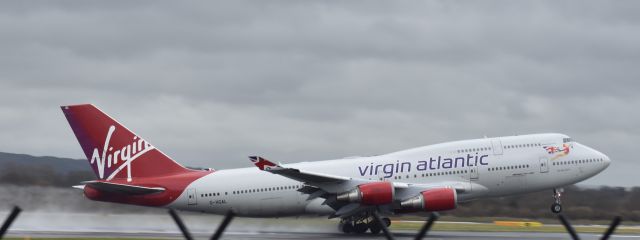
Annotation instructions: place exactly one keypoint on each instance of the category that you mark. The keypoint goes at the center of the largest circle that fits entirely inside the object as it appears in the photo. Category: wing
(295, 174)
(337, 184)
(122, 188)
(328, 186)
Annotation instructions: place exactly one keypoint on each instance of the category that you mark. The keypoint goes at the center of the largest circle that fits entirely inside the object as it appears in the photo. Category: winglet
(262, 163)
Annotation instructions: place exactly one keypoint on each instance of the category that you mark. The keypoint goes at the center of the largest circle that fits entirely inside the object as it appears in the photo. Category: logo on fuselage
(558, 152)
(115, 159)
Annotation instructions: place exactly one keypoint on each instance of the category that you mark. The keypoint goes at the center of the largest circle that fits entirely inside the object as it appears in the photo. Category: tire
(375, 228)
(556, 208)
(346, 228)
(387, 221)
(360, 228)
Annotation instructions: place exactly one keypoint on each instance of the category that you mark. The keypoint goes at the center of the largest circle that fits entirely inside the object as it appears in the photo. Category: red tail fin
(113, 151)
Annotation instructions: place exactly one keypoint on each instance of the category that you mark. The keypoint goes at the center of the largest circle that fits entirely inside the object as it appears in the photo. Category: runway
(300, 235)
(161, 226)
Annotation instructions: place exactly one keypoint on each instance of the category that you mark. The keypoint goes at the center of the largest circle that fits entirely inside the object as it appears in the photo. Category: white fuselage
(488, 167)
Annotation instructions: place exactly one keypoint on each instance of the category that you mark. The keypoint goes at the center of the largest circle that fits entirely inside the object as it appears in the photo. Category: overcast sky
(210, 83)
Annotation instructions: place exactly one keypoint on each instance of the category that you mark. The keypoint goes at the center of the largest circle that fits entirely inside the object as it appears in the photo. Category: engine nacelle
(376, 193)
(439, 199)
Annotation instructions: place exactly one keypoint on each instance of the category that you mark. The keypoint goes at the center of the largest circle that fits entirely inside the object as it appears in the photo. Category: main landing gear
(360, 224)
(556, 207)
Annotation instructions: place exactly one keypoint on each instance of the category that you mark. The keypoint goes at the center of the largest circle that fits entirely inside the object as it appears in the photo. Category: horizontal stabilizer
(123, 188)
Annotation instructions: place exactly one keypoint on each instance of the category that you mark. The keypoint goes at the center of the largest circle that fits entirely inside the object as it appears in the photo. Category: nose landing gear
(556, 207)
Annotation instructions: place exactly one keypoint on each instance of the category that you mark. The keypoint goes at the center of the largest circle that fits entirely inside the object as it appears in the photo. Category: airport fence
(7, 223)
(424, 230)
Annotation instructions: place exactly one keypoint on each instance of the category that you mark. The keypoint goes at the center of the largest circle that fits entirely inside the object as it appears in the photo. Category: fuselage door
(496, 145)
(473, 173)
(544, 165)
(191, 194)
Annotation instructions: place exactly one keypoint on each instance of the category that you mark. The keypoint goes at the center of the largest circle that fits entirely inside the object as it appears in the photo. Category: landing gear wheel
(375, 227)
(387, 221)
(360, 228)
(346, 227)
(375, 230)
(556, 208)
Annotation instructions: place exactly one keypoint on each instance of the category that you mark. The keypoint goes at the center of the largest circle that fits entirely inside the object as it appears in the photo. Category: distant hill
(60, 165)
(22, 169)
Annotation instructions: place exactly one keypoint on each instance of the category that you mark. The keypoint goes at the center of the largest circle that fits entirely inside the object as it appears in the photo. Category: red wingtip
(261, 162)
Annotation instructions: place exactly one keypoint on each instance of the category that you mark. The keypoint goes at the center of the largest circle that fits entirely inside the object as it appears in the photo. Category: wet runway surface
(159, 226)
(299, 235)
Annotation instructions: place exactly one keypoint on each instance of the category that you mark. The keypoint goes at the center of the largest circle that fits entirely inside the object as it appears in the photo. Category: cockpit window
(566, 140)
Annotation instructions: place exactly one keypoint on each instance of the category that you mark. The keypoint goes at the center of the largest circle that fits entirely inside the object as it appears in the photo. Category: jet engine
(376, 193)
(439, 199)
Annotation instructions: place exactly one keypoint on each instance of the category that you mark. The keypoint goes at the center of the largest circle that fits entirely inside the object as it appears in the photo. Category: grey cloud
(212, 82)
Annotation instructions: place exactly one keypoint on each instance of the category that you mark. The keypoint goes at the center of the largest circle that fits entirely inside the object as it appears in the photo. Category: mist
(67, 210)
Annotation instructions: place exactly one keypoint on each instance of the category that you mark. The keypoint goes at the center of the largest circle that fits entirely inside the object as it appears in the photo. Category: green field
(489, 227)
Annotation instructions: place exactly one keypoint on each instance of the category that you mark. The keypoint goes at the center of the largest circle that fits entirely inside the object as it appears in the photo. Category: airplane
(417, 181)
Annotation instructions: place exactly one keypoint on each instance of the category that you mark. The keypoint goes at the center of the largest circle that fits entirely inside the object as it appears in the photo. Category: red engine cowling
(377, 193)
(439, 199)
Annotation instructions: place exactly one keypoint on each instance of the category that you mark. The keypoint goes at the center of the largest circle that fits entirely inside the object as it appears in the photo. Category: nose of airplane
(599, 155)
(606, 158)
